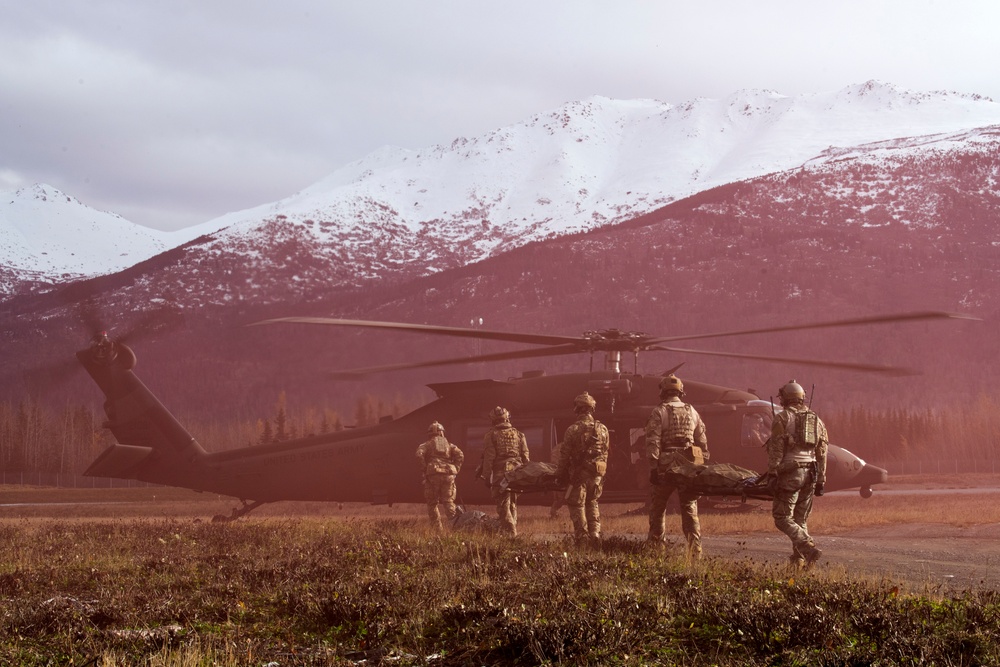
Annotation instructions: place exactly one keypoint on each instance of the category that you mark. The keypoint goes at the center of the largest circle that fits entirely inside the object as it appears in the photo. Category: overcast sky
(173, 113)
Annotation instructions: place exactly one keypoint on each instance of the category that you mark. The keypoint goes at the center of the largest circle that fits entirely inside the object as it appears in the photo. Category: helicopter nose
(870, 474)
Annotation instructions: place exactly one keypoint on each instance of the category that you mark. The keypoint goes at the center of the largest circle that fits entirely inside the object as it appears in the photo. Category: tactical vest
(507, 443)
(437, 457)
(677, 427)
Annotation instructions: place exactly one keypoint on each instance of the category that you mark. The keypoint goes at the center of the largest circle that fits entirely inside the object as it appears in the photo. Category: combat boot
(693, 550)
(657, 544)
(811, 554)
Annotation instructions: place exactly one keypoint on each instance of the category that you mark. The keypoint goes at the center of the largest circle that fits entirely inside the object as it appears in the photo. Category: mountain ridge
(897, 223)
(397, 213)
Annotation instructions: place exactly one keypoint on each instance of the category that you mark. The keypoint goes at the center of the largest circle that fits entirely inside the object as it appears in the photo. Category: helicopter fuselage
(378, 463)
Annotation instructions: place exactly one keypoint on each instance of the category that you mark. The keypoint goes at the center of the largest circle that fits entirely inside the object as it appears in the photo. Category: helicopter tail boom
(151, 445)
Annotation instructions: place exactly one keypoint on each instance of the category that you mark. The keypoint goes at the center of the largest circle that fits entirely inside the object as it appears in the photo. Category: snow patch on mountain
(600, 161)
(586, 164)
(49, 233)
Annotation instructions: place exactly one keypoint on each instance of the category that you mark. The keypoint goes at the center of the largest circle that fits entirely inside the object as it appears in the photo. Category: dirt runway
(925, 557)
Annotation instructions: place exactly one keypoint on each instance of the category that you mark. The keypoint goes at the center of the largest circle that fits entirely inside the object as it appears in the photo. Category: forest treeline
(36, 438)
(968, 430)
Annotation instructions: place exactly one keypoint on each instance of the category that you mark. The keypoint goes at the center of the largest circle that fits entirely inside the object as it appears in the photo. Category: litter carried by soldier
(439, 462)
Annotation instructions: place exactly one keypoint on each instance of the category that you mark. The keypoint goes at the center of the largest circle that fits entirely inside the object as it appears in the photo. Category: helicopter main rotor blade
(867, 368)
(877, 319)
(358, 373)
(461, 332)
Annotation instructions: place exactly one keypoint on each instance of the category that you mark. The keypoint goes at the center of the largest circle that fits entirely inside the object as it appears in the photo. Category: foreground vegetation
(379, 590)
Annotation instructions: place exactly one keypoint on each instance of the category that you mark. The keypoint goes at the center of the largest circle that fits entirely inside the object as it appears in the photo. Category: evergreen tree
(266, 434)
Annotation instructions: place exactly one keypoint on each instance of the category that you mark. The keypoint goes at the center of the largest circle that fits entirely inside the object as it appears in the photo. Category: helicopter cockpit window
(756, 430)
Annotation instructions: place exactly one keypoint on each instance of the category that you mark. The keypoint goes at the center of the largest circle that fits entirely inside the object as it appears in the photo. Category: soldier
(440, 462)
(583, 462)
(796, 460)
(504, 448)
(675, 435)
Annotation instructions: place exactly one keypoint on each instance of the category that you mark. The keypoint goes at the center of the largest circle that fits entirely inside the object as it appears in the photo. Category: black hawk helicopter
(377, 463)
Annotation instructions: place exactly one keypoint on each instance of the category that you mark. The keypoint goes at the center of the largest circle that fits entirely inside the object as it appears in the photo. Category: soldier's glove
(818, 490)
(654, 477)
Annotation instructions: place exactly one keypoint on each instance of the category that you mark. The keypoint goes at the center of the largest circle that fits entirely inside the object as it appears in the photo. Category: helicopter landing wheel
(866, 492)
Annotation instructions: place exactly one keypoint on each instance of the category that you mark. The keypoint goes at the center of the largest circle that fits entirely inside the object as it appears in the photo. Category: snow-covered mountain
(866, 201)
(48, 235)
(400, 213)
(585, 165)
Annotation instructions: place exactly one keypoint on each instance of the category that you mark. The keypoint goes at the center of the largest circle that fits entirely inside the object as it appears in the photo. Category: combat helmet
(791, 391)
(435, 429)
(584, 402)
(499, 414)
(671, 383)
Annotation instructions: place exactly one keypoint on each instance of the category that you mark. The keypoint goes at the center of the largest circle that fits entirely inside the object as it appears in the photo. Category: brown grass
(141, 576)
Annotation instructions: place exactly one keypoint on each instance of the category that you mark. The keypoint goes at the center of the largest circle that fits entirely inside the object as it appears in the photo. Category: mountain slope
(891, 226)
(583, 166)
(398, 214)
(898, 223)
(885, 229)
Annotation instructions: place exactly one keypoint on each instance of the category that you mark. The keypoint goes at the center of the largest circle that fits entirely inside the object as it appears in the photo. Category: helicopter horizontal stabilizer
(118, 461)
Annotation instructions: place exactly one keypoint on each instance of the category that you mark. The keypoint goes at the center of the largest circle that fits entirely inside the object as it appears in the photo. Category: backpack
(804, 429)
(595, 448)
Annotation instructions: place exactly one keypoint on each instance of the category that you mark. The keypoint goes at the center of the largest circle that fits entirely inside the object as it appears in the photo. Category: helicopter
(377, 464)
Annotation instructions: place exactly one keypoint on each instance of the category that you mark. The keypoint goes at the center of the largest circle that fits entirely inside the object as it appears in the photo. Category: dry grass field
(143, 576)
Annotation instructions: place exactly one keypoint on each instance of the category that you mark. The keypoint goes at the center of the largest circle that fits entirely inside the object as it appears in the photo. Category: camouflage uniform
(504, 448)
(673, 428)
(798, 468)
(440, 462)
(583, 462)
